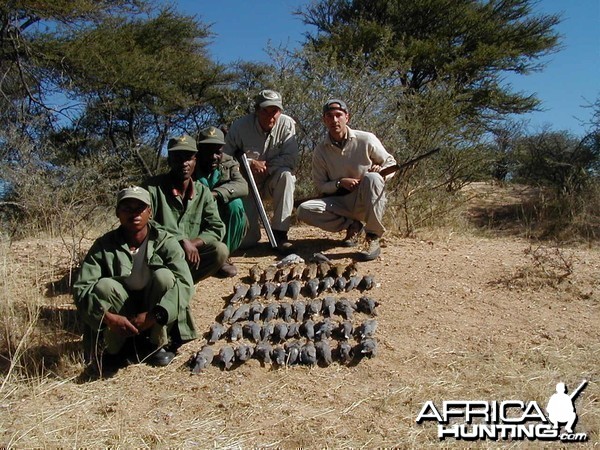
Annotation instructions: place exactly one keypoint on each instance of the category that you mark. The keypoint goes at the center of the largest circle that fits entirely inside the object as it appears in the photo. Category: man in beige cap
(268, 137)
(221, 174)
(188, 210)
(134, 284)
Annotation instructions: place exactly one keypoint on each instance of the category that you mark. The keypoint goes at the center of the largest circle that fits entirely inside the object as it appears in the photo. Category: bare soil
(461, 317)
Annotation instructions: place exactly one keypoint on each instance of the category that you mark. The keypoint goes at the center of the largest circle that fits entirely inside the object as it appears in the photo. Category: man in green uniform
(134, 282)
(221, 174)
(188, 210)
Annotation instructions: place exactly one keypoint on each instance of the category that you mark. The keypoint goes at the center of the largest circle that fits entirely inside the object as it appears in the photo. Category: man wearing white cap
(268, 137)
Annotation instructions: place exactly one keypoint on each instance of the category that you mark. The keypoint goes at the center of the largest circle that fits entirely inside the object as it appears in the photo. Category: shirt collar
(188, 194)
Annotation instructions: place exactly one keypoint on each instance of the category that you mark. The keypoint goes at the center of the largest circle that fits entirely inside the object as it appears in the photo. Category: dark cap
(135, 192)
(268, 97)
(183, 143)
(211, 135)
(335, 104)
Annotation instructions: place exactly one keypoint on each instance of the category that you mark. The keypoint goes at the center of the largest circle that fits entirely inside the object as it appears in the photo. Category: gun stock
(383, 172)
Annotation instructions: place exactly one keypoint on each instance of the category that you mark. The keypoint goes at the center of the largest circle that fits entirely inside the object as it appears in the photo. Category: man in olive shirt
(188, 210)
(134, 282)
(221, 174)
(268, 138)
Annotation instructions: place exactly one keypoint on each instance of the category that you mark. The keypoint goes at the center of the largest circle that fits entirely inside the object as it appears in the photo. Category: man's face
(209, 156)
(133, 214)
(267, 117)
(182, 164)
(335, 120)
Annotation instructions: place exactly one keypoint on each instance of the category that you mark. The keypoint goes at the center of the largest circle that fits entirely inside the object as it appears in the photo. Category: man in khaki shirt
(345, 167)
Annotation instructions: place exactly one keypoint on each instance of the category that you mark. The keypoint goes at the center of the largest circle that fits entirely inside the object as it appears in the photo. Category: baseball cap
(183, 143)
(268, 97)
(335, 104)
(135, 192)
(211, 135)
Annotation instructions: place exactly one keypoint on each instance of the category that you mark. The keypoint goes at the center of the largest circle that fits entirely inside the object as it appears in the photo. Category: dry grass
(453, 325)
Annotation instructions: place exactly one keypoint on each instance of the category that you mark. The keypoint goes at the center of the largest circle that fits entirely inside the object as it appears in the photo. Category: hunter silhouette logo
(510, 419)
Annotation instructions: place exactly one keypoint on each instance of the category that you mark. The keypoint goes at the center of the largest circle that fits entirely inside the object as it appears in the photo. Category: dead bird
(312, 287)
(235, 332)
(344, 351)
(282, 274)
(270, 312)
(244, 352)
(268, 274)
(310, 271)
(262, 352)
(337, 270)
(289, 260)
(293, 289)
(256, 309)
(299, 308)
(368, 328)
(254, 291)
(279, 332)
(344, 308)
(241, 313)
(286, 311)
(353, 282)
(227, 313)
(326, 284)
(314, 306)
(340, 283)
(319, 258)
(328, 306)
(268, 290)
(282, 291)
(368, 347)
(226, 356)
(292, 350)
(239, 293)
(215, 333)
(323, 269)
(296, 272)
(278, 355)
(324, 329)
(367, 283)
(267, 331)
(293, 330)
(367, 305)
(351, 270)
(255, 273)
(345, 329)
(308, 329)
(324, 352)
(252, 330)
(202, 359)
(308, 354)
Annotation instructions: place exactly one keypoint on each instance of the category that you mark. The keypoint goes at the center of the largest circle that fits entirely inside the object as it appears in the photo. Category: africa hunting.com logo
(511, 419)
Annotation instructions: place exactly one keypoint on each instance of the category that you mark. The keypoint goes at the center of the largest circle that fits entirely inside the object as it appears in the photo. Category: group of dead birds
(300, 331)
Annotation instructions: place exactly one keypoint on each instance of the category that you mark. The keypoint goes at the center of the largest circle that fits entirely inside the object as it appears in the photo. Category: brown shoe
(353, 234)
(227, 270)
(284, 246)
(372, 248)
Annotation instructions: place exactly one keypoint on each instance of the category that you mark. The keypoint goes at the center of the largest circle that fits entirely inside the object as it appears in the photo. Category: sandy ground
(461, 317)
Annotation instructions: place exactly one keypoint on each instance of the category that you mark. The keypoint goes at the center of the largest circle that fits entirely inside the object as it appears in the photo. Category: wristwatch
(161, 315)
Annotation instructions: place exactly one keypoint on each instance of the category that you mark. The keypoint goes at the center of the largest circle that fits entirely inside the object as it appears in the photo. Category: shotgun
(259, 204)
(383, 172)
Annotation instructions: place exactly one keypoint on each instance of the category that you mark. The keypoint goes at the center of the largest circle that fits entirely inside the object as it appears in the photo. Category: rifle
(383, 172)
(577, 391)
(259, 204)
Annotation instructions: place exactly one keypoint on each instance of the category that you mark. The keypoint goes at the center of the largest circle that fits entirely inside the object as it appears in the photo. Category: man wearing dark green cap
(134, 284)
(187, 209)
(221, 174)
(268, 137)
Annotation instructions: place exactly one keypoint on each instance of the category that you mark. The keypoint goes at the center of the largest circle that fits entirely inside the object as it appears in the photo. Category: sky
(570, 80)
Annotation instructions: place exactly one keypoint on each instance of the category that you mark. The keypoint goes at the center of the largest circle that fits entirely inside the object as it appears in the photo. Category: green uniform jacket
(109, 257)
(231, 184)
(200, 219)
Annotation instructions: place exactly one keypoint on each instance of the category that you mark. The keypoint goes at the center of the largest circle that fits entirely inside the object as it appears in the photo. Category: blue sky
(570, 80)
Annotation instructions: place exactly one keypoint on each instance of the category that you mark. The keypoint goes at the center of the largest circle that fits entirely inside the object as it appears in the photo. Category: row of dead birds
(297, 271)
(294, 288)
(298, 310)
(291, 353)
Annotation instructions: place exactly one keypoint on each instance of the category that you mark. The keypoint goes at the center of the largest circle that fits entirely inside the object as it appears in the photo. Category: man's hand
(143, 321)
(119, 324)
(375, 168)
(349, 183)
(258, 168)
(191, 253)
